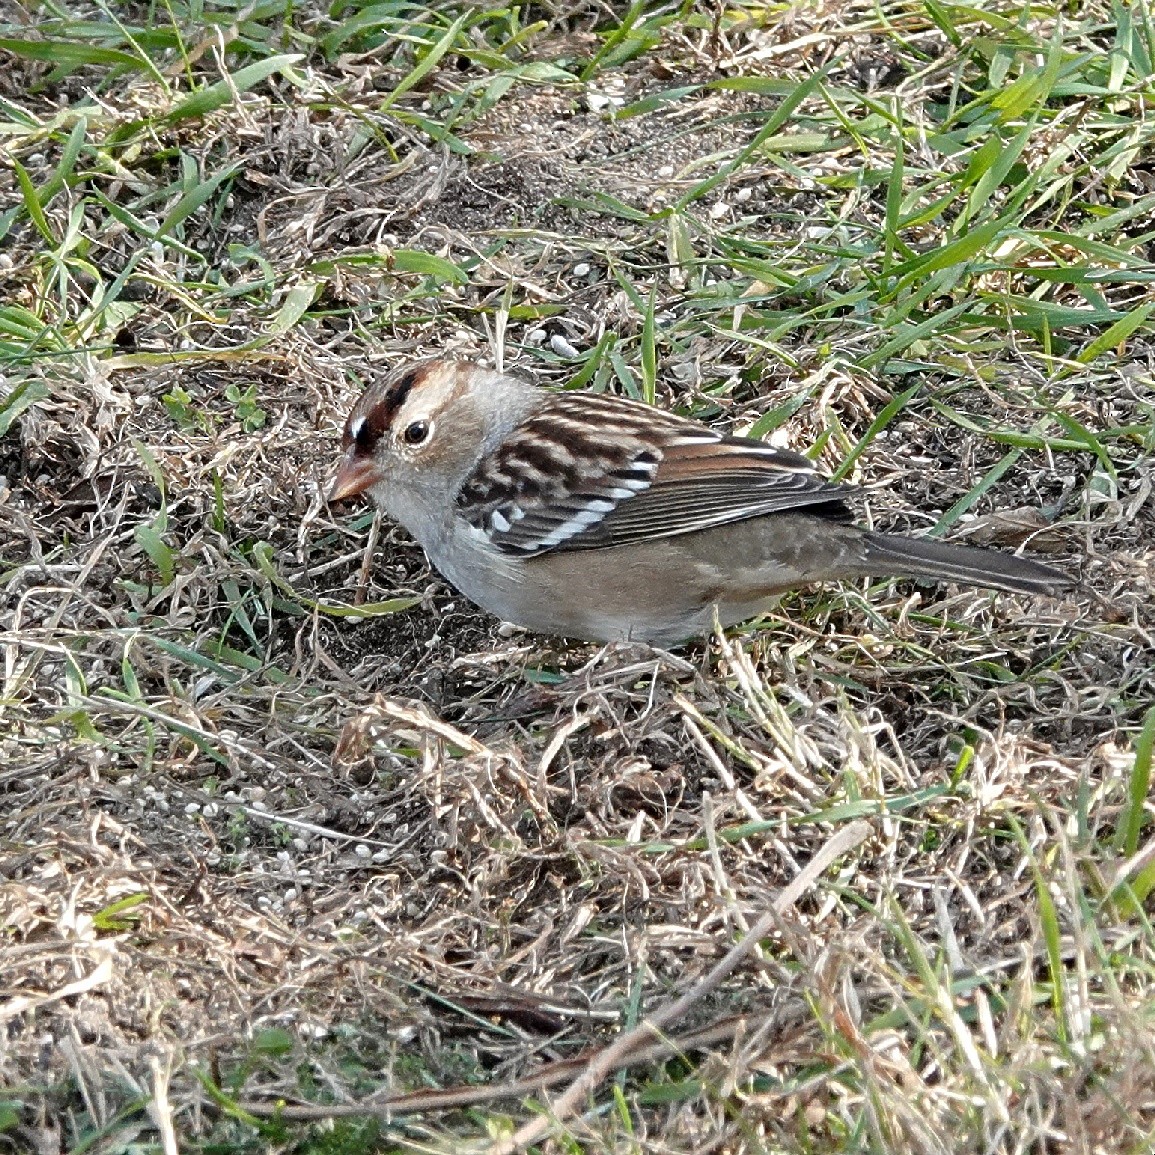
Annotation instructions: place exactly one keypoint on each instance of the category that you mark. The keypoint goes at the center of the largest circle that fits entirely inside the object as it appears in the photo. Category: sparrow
(590, 516)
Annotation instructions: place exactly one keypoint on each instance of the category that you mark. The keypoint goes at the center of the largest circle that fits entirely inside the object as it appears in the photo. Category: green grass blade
(1138, 786)
(649, 352)
(224, 92)
(32, 204)
(428, 62)
(1117, 333)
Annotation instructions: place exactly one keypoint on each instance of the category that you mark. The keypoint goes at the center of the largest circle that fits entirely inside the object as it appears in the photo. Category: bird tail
(889, 554)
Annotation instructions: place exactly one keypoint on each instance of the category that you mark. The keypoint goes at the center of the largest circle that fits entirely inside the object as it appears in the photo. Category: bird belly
(663, 591)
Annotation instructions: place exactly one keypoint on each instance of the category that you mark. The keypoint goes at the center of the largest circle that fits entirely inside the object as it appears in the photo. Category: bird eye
(416, 432)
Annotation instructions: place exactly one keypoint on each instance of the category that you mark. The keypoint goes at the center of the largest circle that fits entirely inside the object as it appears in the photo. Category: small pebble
(581, 270)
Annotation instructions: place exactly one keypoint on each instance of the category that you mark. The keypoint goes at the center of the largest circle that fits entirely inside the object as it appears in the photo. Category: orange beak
(354, 475)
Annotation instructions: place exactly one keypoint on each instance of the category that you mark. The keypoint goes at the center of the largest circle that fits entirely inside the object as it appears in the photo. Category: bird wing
(586, 471)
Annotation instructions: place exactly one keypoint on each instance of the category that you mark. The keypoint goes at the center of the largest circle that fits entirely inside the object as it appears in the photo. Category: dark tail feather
(890, 555)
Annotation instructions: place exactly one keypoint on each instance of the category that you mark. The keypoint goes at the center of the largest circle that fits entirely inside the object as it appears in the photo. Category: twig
(468, 1096)
(160, 1108)
(360, 593)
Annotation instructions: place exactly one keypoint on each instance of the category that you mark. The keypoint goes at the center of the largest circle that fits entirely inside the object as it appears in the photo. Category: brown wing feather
(698, 486)
(588, 472)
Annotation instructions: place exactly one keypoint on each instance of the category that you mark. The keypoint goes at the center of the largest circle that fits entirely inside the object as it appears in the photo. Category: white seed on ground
(581, 269)
(362, 851)
(535, 337)
(718, 210)
(742, 195)
(562, 347)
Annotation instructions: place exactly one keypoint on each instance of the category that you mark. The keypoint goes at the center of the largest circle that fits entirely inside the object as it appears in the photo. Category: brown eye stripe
(371, 418)
(396, 394)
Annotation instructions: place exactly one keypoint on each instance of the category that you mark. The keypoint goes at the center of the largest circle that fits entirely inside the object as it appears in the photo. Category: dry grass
(288, 864)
